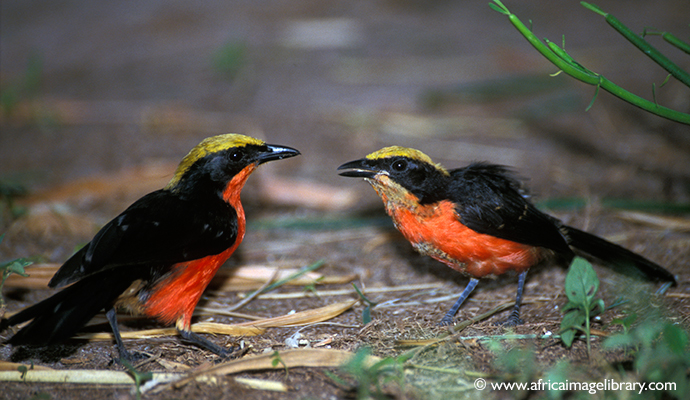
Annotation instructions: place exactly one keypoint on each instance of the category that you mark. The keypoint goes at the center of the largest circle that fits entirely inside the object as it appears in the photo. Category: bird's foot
(446, 321)
(131, 358)
(204, 343)
(226, 354)
(513, 320)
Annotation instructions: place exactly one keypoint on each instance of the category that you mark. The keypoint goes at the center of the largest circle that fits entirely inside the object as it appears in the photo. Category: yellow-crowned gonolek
(477, 221)
(157, 257)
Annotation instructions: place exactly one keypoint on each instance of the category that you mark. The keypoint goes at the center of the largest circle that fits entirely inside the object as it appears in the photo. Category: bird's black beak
(275, 152)
(358, 169)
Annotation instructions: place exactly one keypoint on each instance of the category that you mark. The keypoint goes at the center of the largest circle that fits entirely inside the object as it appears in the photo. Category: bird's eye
(399, 165)
(235, 156)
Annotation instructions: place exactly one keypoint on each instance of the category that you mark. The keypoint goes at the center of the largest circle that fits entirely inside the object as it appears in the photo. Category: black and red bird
(477, 221)
(157, 257)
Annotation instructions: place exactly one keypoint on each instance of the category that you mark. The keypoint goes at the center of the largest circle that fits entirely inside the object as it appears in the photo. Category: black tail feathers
(620, 259)
(60, 316)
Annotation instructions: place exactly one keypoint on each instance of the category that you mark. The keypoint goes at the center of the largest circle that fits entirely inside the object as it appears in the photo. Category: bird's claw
(131, 358)
(513, 320)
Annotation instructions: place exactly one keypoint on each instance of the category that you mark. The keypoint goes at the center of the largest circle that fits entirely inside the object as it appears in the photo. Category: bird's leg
(448, 318)
(514, 317)
(190, 336)
(111, 314)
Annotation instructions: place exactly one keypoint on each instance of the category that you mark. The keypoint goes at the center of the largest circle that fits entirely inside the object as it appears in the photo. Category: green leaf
(17, 267)
(366, 315)
(23, 370)
(567, 337)
(621, 340)
(675, 338)
(561, 372)
(499, 7)
(581, 283)
(570, 324)
(594, 8)
(571, 306)
(598, 303)
(626, 322)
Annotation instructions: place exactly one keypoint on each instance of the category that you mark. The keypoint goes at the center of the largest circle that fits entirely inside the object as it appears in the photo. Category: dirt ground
(102, 99)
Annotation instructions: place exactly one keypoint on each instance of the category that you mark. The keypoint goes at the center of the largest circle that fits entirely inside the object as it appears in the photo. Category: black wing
(490, 201)
(159, 229)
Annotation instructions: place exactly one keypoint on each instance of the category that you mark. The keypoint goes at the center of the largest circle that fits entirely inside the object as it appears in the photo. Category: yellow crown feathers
(208, 146)
(399, 151)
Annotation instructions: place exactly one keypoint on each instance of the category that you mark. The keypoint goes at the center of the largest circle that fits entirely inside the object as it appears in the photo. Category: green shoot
(662, 354)
(23, 370)
(366, 314)
(276, 359)
(11, 267)
(371, 378)
(625, 322)
(517, 364)
(139, 376)
(311, 287)
(581, 284)
(305, 270)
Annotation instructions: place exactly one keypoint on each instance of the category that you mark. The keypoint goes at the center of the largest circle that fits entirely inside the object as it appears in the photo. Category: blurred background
(100, 100)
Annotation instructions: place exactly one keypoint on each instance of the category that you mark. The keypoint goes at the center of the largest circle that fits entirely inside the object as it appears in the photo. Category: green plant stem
(674, 41)
(588, 333)
(570, 67)
(642, 44)
(670, 38)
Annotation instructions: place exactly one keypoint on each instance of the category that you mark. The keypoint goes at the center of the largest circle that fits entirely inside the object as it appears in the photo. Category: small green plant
(311, 287)
(140, 377)
(11, 267)
(517, 364)
(581, 285)
(625, 322)
(370, 378)
(366, 314)
(276, 359)
(661, 355)
(23, 370)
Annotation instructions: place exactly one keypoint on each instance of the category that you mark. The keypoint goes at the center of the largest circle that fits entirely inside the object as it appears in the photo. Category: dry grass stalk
(347, 292)
(288, 359)
(304, 317)
(262, 384)
(81, 376)
(247, 277)
(250, 328)
(678, 224)
(455, 330)
(201, 327)
(11, 366)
